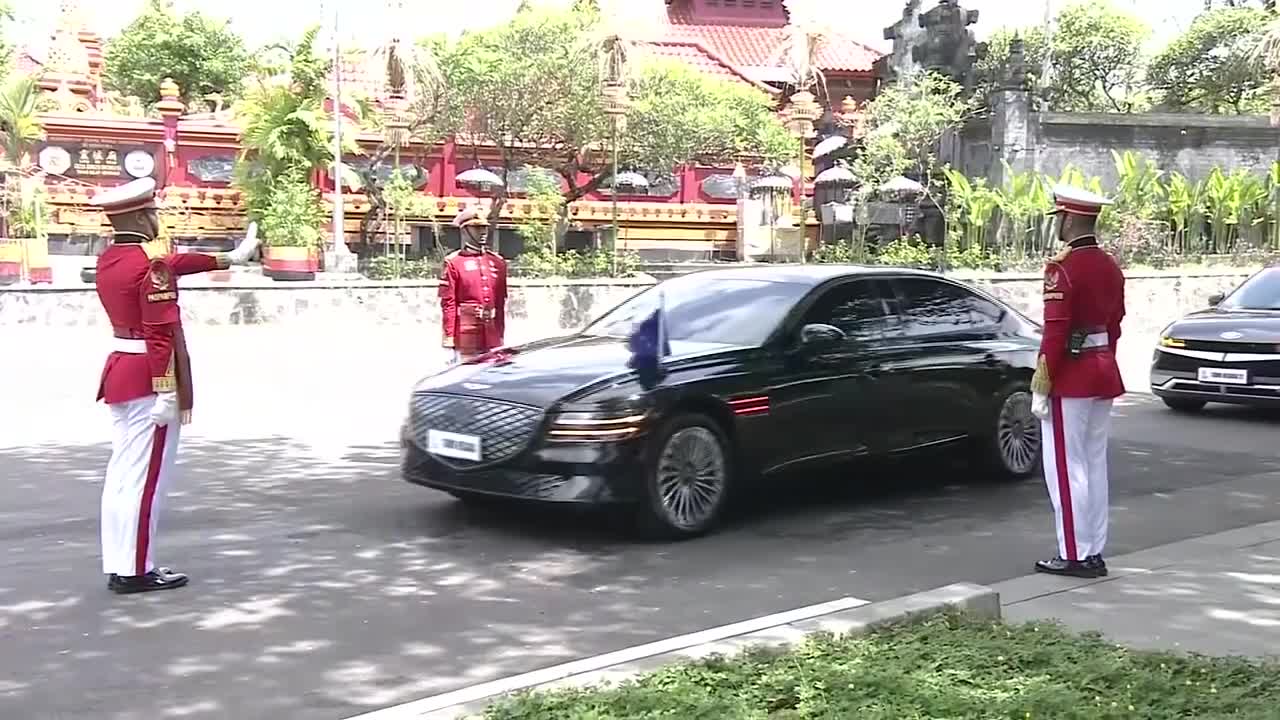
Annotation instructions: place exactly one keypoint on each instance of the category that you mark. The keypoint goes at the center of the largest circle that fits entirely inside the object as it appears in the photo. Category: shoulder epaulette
(1062, 255)
(155, 249)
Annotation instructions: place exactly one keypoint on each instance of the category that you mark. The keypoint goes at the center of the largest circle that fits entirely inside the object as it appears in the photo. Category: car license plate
(454, 445)
(1224, 376)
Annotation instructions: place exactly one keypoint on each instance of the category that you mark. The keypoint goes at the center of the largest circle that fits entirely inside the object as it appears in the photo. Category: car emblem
(1231, 335)
(476, 386)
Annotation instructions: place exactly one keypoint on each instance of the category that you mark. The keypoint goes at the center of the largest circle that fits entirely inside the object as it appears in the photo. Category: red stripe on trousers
(1064, 481)
(148, 498)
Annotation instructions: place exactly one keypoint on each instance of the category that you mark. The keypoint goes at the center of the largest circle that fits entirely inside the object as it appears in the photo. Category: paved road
(324, 586)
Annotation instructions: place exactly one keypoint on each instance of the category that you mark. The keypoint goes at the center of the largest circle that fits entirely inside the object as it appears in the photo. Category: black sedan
(1228, 353)
(771, 369)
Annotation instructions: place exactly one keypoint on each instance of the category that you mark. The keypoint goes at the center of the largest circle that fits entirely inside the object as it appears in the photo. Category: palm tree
(20, 124)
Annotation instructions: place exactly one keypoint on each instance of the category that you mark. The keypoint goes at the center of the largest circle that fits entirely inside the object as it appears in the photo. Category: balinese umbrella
(480, 177)
(837, 175)
(829, 145)
(631, 179)
(902, 184)
(773, 183)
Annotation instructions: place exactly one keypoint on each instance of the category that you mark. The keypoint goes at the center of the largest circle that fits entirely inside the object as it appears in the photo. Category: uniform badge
(1051, 280)
(160, 277)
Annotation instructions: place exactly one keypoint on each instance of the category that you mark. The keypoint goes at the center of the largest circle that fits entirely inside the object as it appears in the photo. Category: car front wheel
(687, 478)
(1012, 446)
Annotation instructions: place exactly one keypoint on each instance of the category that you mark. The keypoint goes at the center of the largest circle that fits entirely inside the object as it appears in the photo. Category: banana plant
(1139, 190)
(973, 203)
(1023, 203)
(1186, 209)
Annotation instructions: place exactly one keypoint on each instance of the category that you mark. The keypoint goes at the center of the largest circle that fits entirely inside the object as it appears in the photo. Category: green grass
(948, 667)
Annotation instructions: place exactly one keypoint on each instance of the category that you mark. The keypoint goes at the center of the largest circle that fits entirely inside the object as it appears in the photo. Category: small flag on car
(648, 341)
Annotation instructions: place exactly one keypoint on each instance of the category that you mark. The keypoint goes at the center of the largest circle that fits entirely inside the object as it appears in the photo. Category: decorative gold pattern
(1040, 383)
(167, 383)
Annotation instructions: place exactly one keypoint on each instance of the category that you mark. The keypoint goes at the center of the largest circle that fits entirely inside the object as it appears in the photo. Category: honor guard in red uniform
(473, 292)
(146, 382)
(1076, 380)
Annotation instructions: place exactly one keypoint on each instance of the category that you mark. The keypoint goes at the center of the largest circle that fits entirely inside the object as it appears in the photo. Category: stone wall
(536, 308)
(1047, 142)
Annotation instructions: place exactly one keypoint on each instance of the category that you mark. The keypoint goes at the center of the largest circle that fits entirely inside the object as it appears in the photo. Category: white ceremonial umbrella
(479, 176)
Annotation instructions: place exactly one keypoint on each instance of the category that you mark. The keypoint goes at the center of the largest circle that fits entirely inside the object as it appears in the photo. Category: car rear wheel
(1184, 404)
(687, 479)
(1012, 447)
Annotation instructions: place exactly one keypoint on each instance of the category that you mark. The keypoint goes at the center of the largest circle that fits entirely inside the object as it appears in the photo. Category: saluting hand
(247, 247)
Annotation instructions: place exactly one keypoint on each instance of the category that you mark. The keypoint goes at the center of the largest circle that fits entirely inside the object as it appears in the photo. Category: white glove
(454, 358)
(165, 409)
(1040, 405)
(247, 247)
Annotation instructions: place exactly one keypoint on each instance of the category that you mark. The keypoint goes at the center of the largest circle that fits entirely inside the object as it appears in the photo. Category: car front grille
(1224, 346)
(504, 428)
(1173, 362)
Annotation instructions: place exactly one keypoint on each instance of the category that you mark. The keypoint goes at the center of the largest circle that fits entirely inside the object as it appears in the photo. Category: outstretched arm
(193, 263)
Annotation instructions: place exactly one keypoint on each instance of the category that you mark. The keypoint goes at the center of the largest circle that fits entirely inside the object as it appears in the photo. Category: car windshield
(728, 311)
(1260, 292)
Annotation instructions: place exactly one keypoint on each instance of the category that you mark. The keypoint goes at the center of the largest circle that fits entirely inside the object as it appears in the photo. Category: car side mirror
(819, 337)
(1216, 299)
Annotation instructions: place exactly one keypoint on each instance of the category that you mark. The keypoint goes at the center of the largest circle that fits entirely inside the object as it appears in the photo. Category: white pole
(339, 220)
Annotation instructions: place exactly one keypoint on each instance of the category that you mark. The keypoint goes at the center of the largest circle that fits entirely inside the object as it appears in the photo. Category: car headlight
(597, 426)
(1167, 341)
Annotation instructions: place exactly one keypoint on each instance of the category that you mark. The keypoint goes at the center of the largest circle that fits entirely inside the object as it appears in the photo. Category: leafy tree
(993, 67)
(286, 135)
(531, 87)
(1096, 56)
(1212, 67)
(204, 56)
(19, 122)
(905, 123)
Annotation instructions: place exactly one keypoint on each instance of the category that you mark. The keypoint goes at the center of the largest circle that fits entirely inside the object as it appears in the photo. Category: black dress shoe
(1072, 568)
(158, 579)
(1097, 563)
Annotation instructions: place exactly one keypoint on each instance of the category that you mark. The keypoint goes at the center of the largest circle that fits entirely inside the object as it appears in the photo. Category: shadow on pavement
(322, 587)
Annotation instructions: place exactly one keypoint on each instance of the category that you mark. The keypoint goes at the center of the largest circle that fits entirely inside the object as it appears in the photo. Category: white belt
(1096, 340)
(129, 345)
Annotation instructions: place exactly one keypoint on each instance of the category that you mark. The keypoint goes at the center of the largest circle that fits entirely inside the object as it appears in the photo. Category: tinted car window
(1260, 292)
(932, 306)
(858, 308)
(730, 311)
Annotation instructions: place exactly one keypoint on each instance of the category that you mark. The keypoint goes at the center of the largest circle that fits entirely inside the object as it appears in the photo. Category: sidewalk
(1215, 595)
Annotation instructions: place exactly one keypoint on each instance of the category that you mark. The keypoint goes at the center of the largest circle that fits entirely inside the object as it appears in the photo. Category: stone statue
(938, 40)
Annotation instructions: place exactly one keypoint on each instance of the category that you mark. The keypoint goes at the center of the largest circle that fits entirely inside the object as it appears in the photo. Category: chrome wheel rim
(691, 477)
(1018, 432)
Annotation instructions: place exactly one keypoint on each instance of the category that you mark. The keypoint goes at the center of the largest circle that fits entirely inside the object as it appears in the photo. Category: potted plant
(291, 224)
(26, 244)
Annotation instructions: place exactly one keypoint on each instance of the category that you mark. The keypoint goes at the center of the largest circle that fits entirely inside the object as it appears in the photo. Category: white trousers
(143, 456)
(1075, 469)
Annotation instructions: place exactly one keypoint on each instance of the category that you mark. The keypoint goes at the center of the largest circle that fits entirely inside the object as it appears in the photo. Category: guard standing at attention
(1076, 380)
(473, 292)
(146, 381)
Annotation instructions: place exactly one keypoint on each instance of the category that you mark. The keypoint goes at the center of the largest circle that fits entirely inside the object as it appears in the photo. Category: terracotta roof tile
(703, 59)
(762, 46)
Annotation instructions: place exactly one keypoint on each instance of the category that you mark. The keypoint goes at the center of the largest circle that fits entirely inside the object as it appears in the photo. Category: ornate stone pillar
(1013, 126)
(171, 109)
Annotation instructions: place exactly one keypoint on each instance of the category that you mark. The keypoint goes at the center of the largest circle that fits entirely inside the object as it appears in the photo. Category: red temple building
(90, 143)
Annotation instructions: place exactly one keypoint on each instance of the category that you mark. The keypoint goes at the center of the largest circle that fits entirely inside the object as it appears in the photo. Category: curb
(862, 618)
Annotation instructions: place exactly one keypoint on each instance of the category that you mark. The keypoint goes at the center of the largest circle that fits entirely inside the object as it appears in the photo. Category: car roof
(812, 275)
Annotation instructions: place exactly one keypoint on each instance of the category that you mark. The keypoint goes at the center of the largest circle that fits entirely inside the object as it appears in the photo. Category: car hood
(542, 372)
(1260, 326)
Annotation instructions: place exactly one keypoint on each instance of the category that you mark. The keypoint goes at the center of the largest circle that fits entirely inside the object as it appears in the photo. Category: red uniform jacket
(1083, 292)
(139, 290)
(473, 300)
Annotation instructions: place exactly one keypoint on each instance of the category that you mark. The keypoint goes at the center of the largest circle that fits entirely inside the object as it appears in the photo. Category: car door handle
(990, 359)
